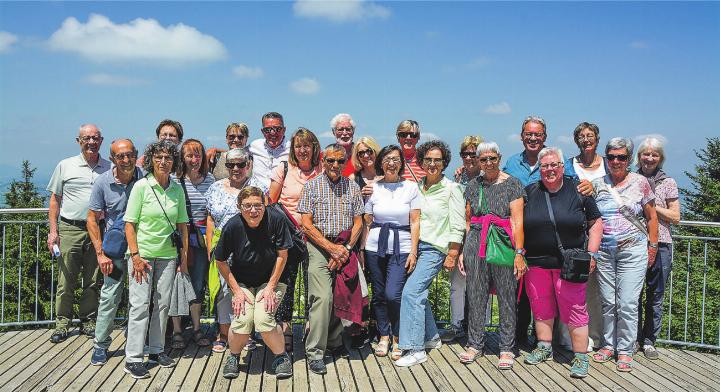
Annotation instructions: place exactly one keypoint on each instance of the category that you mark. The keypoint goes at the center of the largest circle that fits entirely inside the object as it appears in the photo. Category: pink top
(485, 221)
(292, 185)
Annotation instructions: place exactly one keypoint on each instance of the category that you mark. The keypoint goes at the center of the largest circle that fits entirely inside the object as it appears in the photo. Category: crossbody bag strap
(412, 173)
(632, 218)
(482, 202)
(187, 202)
(552, 220)
(163, 209)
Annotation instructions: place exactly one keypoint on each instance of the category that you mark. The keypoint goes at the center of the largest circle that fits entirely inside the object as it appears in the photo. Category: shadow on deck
(28, 361)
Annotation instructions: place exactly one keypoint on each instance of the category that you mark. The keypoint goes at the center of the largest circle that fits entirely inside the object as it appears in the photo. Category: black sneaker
(340, 351)
(88, 329)
(317, 366)
(281, 366)
(232, 366)
(59, 334)
(99, 357)
(161, 359)
(136, 370)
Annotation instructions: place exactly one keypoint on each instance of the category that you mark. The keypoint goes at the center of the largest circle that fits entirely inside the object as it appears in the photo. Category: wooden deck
(28, 361)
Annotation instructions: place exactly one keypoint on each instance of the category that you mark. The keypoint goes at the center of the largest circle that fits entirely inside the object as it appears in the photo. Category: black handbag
(575, 261)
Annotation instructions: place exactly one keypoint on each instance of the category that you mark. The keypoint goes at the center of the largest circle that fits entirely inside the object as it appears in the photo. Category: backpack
(114, 243)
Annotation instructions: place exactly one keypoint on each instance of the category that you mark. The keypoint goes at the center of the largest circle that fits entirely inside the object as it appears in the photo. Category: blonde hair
(368, 141)
(470, 141)
(242, 127)
(408, 126)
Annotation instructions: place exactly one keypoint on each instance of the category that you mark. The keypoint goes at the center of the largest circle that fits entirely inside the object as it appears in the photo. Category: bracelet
(653, 245)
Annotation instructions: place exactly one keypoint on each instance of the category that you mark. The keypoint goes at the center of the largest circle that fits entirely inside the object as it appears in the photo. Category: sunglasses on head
(620, 157)
(331, 161)
(407, 135)
(240, 165)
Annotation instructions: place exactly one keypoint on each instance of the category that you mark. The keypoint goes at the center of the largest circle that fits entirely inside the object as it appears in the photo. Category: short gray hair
(341, 117)
(652, 143)
(88, 125)
(535, 119)
(239, 153)
(617, 143)
(488, 147)
(334, 147)
(550, 151)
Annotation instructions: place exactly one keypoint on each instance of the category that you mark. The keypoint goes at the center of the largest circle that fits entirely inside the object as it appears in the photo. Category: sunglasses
(367, 152)
(267, 130)
(235, 137)
(408, 135)
(530, 135)
(123, 156)
(231, 165)
(488, 159)
(468, 154)
(621, 157)
(330, 161)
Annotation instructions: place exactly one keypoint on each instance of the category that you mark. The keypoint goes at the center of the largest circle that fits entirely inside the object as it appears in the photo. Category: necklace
(579, 158)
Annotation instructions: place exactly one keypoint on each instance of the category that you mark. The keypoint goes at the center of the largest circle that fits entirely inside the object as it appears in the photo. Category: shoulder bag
(499, 249)
(114, 242)
(575, 261)
(195, 233)
(175, 237)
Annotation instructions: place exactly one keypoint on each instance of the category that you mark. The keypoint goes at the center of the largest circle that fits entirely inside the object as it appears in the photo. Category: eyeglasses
(239, 165)
(163, 158)
(467, 154)
(235, 137)
(267, 130)
(621, 157)
(368, 152)
(435, 161)
(247, 207)
(586, 137)
(331, 161)
(408, 135)
(391, 160)
(122, 156)
(86, 139)
(530, 135)
(344, 129)
(303, 147)
(488, 159)
(551, 165)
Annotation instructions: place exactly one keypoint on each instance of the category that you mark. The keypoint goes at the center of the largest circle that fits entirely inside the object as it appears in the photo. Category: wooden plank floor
(29, 362)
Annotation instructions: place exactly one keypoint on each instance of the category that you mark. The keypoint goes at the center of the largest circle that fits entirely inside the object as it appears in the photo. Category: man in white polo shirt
(271, 150)
(70, 188)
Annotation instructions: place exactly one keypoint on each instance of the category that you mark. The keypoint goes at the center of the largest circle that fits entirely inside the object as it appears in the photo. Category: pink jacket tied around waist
(503, 223)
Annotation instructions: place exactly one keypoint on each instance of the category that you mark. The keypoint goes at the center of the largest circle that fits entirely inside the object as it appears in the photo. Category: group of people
(569, 242)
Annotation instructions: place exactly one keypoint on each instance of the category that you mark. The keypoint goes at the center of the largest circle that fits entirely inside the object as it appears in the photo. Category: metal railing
(691, 310)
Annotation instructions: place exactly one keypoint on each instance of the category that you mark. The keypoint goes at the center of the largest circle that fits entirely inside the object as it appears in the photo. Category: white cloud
(6, 41)
(478, 63)
(425, 136)
(327, 134)
(514, 138)
(305, 86)
(141, 40)
(638, 44)
(103, 79)
(498, 108)
(639, 138)
(564, 139)
(340, 11)
(245, 72)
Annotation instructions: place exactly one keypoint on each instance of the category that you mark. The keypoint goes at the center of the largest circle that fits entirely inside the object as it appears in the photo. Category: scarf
(655, 178)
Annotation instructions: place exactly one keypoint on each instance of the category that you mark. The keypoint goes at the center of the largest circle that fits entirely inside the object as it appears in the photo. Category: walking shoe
(161, 359)
(136, 370)
(88, 328)
(281, 366)
(650, 352)
(99, 357)
(412, 357)
(451, 333)
(579, 366)
(232, 366)
(433, 344)
(340, 351)
(542, 353)
(61, 330)
(250, 345)
(317, 366)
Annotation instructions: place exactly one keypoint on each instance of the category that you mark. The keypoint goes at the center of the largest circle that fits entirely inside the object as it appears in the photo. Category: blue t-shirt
(519, 167)
(109, 196)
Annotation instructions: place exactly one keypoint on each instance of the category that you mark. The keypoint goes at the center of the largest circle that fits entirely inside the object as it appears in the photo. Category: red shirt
(411, 167)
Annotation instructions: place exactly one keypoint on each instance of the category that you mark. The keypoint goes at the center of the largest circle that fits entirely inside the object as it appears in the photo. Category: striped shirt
(412, 167)
(332, 205)
(196, 194)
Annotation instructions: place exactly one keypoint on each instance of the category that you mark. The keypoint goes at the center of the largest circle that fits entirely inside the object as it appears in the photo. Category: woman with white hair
(628, 248)
(651, 156)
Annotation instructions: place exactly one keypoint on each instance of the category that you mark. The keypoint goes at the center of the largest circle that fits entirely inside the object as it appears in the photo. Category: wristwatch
(520, 251)
(133, 254)
(653, 245)
(348, 247)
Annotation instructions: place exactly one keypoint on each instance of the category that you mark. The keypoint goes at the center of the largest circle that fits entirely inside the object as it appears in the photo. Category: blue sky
(458, 68)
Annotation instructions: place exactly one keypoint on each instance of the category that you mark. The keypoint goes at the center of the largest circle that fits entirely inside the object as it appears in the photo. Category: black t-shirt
(253, 251)
(571, 211)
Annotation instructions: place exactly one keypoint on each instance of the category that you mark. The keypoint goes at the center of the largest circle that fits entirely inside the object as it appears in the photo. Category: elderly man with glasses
(70, 187)
(271, 150)
(343, 128)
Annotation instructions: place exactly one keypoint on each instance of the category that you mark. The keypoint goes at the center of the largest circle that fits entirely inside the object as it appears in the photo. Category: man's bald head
(121, 144)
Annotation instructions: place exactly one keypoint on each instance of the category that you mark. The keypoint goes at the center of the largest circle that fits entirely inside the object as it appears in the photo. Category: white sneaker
(413, 357)
(591, 345)
(433, 344)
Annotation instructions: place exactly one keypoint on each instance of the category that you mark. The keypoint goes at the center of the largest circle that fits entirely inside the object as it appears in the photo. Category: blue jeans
(199, 273)
(656, 278)
(110, 296)
(417, 324)
(621, 274)
(388, 279)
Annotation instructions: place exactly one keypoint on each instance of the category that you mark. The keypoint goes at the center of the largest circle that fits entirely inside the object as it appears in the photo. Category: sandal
(624, 365)
(469, 355)
(177, 341)
(200, 339)
(396, 353)
(603, 355)
(506, 360)
(381, 350)
(219, 346)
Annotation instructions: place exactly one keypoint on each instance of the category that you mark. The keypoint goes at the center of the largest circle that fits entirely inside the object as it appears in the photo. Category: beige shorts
(255, 316)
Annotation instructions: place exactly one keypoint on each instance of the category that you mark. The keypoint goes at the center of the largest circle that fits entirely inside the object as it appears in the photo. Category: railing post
(687, 290)
(19, 274)
(2, 311)
(702, 317)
